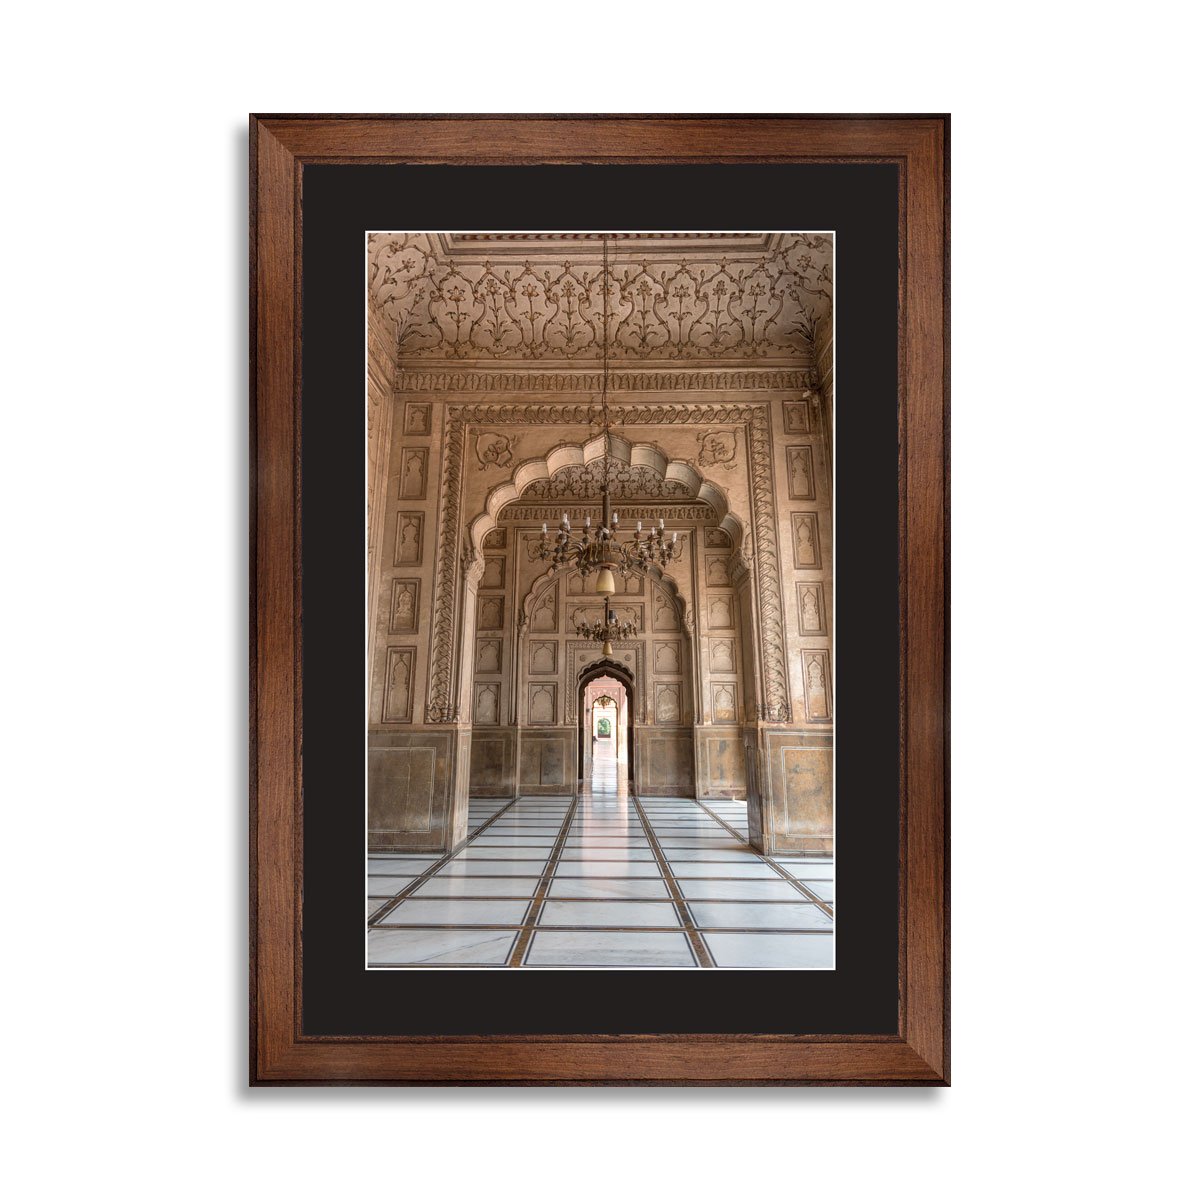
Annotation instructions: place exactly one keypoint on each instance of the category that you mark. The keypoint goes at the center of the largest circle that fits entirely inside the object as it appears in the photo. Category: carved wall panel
(544, 617)
(547, 762)
(490, 612)
(406, 597)
(810, 605)
(665, 762)
(720, 612)
(398, 685)
(668, 658)
(488, 656)
(401, 797)
(806, 540)
(801, 795)
(668, 709)
(543, 658)
(801, 485)
(795, 418)
(487, 704)
(543, 703)
(818, 687)
(493, 572)
(496, 539)
(409, 529)
(722, 765)
(716, 570)
(666, 615)
(721, 656)
(724, 704)
(413, 467)
(417, 419)
(493, 763)
(716, 537)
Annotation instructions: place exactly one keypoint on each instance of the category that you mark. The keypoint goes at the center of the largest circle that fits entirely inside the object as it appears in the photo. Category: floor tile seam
(520, 946)
(766, 858)
(435, 866)
(699, 947)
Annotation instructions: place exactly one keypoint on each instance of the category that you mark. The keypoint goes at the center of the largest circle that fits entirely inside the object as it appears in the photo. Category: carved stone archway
(756, 540)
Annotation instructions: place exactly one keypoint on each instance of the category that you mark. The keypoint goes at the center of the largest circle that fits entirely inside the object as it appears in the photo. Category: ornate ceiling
(537, 297)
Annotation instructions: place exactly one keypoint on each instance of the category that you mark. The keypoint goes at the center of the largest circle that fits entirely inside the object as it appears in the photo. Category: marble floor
(602, 880)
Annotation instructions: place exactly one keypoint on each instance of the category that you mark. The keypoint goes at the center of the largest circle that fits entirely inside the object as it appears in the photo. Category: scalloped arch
(637, 454)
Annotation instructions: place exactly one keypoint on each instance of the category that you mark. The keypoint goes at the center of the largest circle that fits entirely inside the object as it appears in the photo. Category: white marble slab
(714, 914)
(457, 912)
(593, 868)
(756, 869)
(592, 888)
(610, 853)
(819, 887)
(491, 866)
(711, 854)
(482, 947)
(474, 851)
(619, 914)
(455, 885)
(738, 889)
(606, 948)
(803, 951)
(806, 870)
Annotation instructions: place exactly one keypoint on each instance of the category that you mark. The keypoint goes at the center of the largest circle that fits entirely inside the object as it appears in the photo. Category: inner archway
(605, 728)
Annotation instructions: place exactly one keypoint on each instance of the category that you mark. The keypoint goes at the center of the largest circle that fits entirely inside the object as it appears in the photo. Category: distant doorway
(605, 711)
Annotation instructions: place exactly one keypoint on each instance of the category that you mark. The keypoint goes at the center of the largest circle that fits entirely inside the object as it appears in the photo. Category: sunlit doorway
(605, 729)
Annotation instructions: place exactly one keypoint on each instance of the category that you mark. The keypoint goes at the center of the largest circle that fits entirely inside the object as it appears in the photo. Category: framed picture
(619, 658)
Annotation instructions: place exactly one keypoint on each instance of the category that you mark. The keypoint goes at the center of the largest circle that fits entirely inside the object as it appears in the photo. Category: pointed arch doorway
(596, 756)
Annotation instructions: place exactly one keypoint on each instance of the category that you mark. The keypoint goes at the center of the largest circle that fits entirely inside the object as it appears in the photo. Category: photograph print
(600, 646)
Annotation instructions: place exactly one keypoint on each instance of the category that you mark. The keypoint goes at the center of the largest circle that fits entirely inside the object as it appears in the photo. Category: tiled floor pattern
(602, 881)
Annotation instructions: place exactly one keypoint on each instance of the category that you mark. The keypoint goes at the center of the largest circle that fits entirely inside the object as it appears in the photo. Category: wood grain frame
(280, 149)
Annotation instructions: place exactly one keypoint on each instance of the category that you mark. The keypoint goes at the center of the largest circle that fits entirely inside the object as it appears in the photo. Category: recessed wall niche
(405, 607)
(413, 467)
(409, 530)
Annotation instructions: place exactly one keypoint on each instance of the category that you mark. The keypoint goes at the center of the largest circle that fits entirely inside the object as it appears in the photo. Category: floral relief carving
(729, 300)
(625, 482)
(494, 449)
(718, 448)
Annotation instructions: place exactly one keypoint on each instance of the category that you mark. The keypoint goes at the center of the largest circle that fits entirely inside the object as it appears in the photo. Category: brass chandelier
(607, 630)
(600, 551)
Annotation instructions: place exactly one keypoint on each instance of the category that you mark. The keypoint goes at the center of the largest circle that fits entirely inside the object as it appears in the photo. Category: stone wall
(473, 646)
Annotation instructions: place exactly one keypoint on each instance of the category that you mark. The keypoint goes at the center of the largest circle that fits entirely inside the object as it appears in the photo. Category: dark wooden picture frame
(281, 147)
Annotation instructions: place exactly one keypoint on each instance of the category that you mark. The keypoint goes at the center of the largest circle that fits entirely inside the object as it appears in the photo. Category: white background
(1075, 653)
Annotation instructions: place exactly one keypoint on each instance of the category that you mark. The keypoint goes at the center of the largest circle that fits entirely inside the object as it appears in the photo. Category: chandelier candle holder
(607, 630)
(600, 551)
